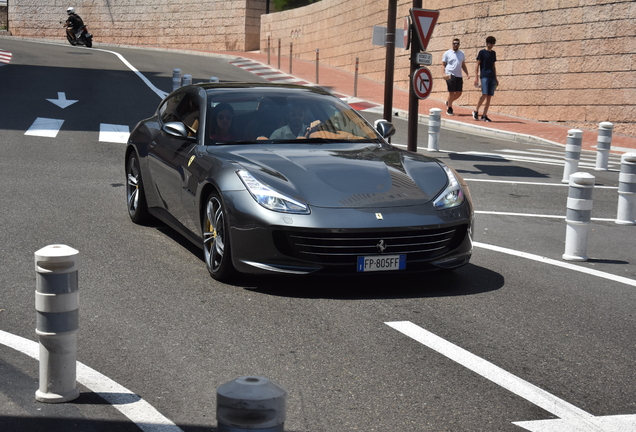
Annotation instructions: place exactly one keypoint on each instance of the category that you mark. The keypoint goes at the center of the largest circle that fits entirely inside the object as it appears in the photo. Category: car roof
(290, 88)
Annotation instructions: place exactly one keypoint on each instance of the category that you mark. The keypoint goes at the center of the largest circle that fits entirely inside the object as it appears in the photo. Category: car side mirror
(175, 129)
(385, 128)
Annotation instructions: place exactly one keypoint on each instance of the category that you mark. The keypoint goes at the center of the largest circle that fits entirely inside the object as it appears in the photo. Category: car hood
(344, 175)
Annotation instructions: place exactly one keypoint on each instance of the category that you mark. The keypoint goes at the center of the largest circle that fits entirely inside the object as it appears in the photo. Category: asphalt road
(152, 319)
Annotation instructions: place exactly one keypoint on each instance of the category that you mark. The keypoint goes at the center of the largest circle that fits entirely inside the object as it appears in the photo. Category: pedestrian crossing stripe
(49, 128)
(45, 127)
(5, 57)
(114, 133)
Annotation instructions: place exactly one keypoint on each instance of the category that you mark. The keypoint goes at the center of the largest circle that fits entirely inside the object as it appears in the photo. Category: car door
(167, 153)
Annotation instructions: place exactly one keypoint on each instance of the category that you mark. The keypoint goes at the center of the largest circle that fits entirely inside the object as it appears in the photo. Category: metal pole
(57, 308)
(626, 214)
(279, 54)
(390, 60)
(268, 46)
(355, 79)
(578, 216)
(434, 126)
(413, 99)
(572, 153)
(176, 79)
(251, 403)
(291, 54)
(603, 145)
(317, 60)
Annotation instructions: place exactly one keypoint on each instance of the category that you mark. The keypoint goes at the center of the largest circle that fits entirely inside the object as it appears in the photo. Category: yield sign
(422, 83)
(424, 22)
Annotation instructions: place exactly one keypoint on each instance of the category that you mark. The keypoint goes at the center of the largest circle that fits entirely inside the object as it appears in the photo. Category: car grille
(338, 248)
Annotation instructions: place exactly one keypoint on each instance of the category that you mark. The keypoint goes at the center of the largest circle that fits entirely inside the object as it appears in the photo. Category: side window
(182, 107)
(166, 112)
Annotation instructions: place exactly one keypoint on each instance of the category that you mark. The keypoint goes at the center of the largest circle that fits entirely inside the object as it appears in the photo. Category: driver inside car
(295, 127)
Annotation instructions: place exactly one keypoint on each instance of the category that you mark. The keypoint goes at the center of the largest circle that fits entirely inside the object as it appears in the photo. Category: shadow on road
(468, 280)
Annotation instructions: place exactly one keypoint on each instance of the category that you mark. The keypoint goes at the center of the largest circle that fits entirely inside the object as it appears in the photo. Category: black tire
(135, 194)
(216, 239)
(88, 42)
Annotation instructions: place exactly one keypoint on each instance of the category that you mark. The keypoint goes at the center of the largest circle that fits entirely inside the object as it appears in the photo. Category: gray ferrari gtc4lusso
(283, 179)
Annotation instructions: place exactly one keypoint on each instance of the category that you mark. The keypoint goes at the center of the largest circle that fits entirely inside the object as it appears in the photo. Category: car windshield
(266, 115)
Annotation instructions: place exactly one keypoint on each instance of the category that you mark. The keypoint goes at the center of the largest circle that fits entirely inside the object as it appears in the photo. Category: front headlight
(453, 195)
(269, 198)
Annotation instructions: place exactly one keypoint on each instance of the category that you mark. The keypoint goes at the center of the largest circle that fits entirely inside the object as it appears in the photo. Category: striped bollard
(626, 214)
(434, 126)
(603, 145)
(572, 153)
(250, 404)
(57, 309)
(578, 216)
(187, 80)
(176, 79)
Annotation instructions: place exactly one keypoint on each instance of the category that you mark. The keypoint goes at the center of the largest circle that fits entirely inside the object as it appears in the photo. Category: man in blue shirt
(488, 71)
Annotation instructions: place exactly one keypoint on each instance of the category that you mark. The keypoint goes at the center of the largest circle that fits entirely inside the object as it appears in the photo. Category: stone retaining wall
(566, 61)
(223, 25)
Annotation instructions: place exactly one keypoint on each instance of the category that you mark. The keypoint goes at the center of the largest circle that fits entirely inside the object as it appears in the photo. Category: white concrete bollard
(603, 145)
(626, 213)
(176, 79)
(57, 309)
(187, 80)
(251, 404)
(214, 80)
(572, 153)
(578, 216)
(434, 126)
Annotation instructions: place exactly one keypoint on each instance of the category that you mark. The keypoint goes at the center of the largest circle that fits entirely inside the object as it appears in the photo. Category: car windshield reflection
(282, 117)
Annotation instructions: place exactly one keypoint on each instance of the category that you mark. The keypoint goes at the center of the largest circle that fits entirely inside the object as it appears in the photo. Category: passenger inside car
(221, 129)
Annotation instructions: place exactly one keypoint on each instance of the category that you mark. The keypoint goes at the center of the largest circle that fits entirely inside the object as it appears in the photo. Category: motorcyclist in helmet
(73, 24)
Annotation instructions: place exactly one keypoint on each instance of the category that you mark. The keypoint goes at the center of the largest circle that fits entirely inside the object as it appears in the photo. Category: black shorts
(455, 84)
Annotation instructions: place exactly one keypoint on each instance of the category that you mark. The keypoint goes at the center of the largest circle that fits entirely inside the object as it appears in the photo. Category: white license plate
(381, 263)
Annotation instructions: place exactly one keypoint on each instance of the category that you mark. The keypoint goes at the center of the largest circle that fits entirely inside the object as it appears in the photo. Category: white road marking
(140, 412)
(162, 94)
(536, 215)
(61, 100)
(571, 418)
(114, 133)
(533, 183)
(557, 263)
(45, 127)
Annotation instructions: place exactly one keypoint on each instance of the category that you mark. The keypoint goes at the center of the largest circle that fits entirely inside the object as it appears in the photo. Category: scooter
(82, 37)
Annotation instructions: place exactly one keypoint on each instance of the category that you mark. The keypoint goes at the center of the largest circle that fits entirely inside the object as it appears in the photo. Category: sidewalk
(502, 126)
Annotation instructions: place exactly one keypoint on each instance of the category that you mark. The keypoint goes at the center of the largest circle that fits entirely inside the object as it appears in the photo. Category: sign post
(422, 24)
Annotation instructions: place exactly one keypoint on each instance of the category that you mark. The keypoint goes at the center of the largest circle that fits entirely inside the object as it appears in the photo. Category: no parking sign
(422, 83)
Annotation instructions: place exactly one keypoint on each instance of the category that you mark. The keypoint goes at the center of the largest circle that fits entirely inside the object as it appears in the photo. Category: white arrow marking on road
(113, 133)
(45, 127)
(61, 100)
(571, 418)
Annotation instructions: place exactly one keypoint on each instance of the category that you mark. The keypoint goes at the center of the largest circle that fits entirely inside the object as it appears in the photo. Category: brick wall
(194, 24)
(566, 61)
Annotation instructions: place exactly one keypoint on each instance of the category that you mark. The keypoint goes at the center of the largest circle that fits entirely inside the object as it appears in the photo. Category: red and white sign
(407, 32)
(424, 22)
(422, 83)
